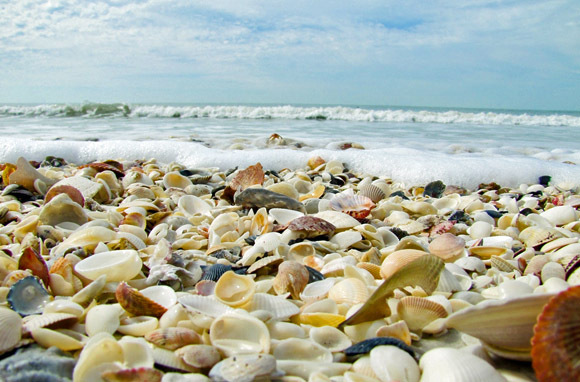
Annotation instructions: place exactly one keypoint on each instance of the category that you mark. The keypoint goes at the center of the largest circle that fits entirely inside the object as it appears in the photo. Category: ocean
(464, 147)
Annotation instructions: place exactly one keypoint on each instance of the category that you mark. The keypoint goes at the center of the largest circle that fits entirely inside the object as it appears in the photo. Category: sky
(520, 54)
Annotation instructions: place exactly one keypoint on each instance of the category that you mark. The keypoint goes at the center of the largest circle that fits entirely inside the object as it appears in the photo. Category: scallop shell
(234, 290)
(399, 330)
(373, 192)
(280, 308)
(28, 296)
(418, 312)
(455, 365)
(555, 352)
(237, 334)
(10, 329)
(173, 338)
(121, 265)
(137, 303)
(448, 247)
(205, 305)
(317, 290)
(349, 291)
(505, 325)
(357, 206)
(248, 177)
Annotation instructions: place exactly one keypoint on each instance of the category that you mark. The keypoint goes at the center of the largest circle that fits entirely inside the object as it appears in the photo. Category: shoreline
(172, 223)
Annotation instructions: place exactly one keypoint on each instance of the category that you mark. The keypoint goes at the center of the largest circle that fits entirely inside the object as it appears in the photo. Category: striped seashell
(280, 308)
(137, 303)
(418, 312)
(199, 356)
(357, 206)
(173, 338)
(372, 192)
(349, 291)
(10, 329)
(502, 264)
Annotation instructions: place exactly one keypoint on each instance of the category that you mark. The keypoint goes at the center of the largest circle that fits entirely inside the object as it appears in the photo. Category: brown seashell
(35, 263)
(315, 162)
(357, 206)
(292, 277)
(73, 193)
(173, 337)
(248, 177)
(312, 226)
(555, 351)
(137, 374)
(136, 303)
(399, 330)
(572, 265)
(502, 264)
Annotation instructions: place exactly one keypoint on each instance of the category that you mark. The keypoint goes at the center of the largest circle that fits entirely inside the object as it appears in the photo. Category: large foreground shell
(447, 364)
(234, 334)
(505, 326)
(555, 351)
(119, 265)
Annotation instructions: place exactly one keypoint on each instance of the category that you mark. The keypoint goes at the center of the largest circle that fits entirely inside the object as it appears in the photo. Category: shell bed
(144, 271)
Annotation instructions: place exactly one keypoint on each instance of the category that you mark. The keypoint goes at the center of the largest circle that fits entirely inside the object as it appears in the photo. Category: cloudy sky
(521, 54)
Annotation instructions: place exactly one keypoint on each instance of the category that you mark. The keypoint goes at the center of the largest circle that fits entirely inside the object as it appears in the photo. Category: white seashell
(138, 326)
(161, 294)
(349, 291)
(560, 215)
(339, 219)
(207, 305)
(10, 329)
(322, 306)
(169, 359)
(119, 265)
(224, 223)
(192, 205)
(136, 352)
(284, 216)
(479, 230)
(447, 364)
(330, 338)
(336, 267)
(280, 308)
(390, 363)
(363, 366)
(176, 180)
(103, 318)
(298, 251)
(282, 330)
(552, 269)
(64, 306)
(345, 239)
(244, 368)
(234, 333)
(552, 285)
(298, 349)
(448, 282)
(62, 209)
(101, 353)
(471, 264)
(304, 369)
(87, 187)
(65, 340)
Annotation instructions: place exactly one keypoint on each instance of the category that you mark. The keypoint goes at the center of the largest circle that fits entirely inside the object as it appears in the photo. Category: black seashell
(53, 161)
(251, 240)
(494, 214)
(22, 194)
(526, 211)
(459, 216)
(215, 271)
(367, 345)
(33, 363)
(544, 180)
(314, 275)
(337, 180)
(28, 296)
(399, 193)
(399, 233)
(434, 189)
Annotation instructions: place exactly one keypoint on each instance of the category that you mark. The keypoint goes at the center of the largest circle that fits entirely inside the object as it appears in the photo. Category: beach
(179, 261)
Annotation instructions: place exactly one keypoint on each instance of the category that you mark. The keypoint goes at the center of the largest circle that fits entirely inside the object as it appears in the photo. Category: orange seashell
(35, 263)
(315, 194)
(312, 225)
(64, 268)
(74, 194)
(136, 303)
(555, 351)
(315, 162)
(173, 337)
(357, 206)
(248, 177)
(138, 374)
(9, 168)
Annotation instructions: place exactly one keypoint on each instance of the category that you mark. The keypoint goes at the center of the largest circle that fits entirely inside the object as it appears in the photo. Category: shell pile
(148, 271)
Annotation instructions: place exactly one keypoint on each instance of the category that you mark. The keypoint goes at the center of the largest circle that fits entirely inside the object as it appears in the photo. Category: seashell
(448, 247)
(291, 277)
(168, 359)
(264, 262)
(137, 303)
(48, 320)
(560, 215)
(25, 175)
(448, 282)
(73, 193)
(28, 296)
(399, 259)
(399, 330)
(419, 208)
(238, 334)
(103, 318)
(64, 340)
(316, 193)
(173, 338)
(133, 374)
(64, 306)
(373, 192)
(298, 349)
(305, 369)
(390, 363)
(62, 209)
(260, 197)
(471, 263)
(10, 329)
(418, 312)
(35, 263)
(315, 162)
(349, 291)
(552, 269)
(486, 252)
(175, 180)
(312, 226)
(357, 206)
(346, 239)
(554, 344)
(138, 326)
(234, 290)
(502, 264)
(260, 223)
(479, 230)
(336, 267)
(339, 219)
(88, 188)
(244, 368)
(84, 296)
(192, 205)
(423, 271)
(205, 305)
(245, 178)
(317, 290)
(199, 356)
(330, 338)
(120, 265)
(455, 365)
(504, 326)
(280, 308)
(284, 216)
(285, 188)
(536, 236)
(318, 319)
(365, 346)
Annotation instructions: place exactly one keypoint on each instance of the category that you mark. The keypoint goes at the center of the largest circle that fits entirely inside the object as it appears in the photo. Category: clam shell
(349, 291)
(390, 363)
(234, 290)
(373, 192)
(455, 365)
(357, 206)
(560, 215)
(284, 216)
(298, 349)
(99, 354)
(138, 326)
(176, 180)
(504, 324)
(248, 177)
(48, 320)
(237, 334)
(244, 368)
(317, 290)
(121, 265)
(199, 356)
(555, 352)
(64, 340)
(207, 305)
(330, 338)
(88, 188)
(340, 220)
(103, 318)
(313, 225)
(399, 330)
(304, 369)
(346, 239)
(10, 329)
(62, 209)
(173, 338)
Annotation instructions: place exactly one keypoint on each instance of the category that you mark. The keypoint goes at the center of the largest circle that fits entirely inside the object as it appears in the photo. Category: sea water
(411, 145)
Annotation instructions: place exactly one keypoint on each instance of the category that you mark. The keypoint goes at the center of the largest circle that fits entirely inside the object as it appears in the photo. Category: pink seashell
(357, 206)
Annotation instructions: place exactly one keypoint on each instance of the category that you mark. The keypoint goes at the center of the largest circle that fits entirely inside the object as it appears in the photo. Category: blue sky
(455, 53)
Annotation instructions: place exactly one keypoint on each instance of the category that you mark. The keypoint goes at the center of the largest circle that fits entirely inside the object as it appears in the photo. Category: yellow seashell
(399, 259)
(314, 194)
(320, 319)
(234, 290)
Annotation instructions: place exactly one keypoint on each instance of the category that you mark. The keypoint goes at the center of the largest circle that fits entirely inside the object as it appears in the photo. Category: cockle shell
(121, 265)
(173, 338)
(505, 325)
(311, 226)
(339, 219)
(357, 206)
(349, 291)
(234, 290)
(10, 329)
(279, 307)
(74, 194)
(103, 318)
(236, 334)
(447, 364)
(137, 303)
(175, 179)
(390, 363)
(88, 188)
(418, 312)
(398, 259)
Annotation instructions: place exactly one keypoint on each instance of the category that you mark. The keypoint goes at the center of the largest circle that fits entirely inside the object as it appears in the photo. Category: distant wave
(338, 113)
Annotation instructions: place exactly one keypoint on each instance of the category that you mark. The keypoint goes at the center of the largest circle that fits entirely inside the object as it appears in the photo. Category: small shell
(349, 291)
(138, 326)
(369, 344)
(136, 303)
(298, 349)
(173, 338)
(248, 177)
(236, 334)
(372, 192)
(317, 290)
(357, 206)
(448, 247)
(291, 277)
(176, 180)
(28, 296)
(103, 318)
(399, 259)
(330, 338)
(279, 307)
(312, 226)
(244, 368)
(62, 209)
(339, 219)
(234, 290)
(10, 329)
(560, 215)
(64, 340)
(199, 356)
(418, 312)
(74, 194)
(399, 330)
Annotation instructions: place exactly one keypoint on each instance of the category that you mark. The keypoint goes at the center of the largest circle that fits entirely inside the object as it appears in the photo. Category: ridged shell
(10, 329)
(137, 303)
(312, 225)
(418, 312)
(280, 308)
(372, 192)
(339, 219)
(555, 353)
(357, 206)
(173, 338)
(199, 356)
(206, 305)
(317, 290)
(291, 277)
(447, 364)
(399, 259)
(349, 291)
